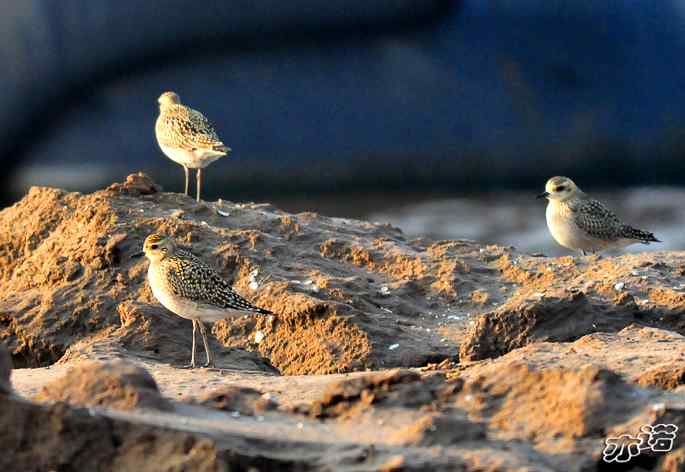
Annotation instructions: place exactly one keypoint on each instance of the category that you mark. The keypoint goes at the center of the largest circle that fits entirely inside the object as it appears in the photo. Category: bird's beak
(543, 195)
(137, 254)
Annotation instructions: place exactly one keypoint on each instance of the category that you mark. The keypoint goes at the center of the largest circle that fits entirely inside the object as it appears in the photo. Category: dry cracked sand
(385, 353)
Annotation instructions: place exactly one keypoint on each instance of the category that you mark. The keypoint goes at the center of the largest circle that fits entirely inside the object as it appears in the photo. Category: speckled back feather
(599, 222)
(182, 127)
(188, 277)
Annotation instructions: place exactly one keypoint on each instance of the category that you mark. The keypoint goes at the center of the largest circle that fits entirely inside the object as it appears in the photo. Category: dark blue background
(347, 95)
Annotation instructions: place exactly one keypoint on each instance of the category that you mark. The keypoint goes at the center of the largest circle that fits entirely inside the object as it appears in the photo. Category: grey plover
(187, 137)
(583, 224)
(188, 287)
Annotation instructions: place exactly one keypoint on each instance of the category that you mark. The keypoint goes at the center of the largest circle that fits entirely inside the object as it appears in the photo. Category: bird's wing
(224, 296)
(185, 274)
(188, 129)
(596, 219)
(191, 278)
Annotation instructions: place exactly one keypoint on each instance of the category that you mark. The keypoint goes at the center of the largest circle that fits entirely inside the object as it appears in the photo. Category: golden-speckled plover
(188, 287)
(187, 137)
(583, 224)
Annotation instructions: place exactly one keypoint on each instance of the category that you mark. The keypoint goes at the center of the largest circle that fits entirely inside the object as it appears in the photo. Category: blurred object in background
(299, 89)
(342, 95)
(348, 98)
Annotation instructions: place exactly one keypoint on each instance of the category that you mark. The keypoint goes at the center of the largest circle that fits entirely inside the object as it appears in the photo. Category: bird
(581, 223)
(187, 137)
(191, 289)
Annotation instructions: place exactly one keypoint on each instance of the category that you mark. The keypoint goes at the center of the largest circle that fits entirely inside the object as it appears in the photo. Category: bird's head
(559, 189)
(156, 247)
(168, 99)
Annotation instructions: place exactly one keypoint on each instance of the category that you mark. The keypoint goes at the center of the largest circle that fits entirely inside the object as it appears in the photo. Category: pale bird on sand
(186, 137)
(188, 287)
(583, 224)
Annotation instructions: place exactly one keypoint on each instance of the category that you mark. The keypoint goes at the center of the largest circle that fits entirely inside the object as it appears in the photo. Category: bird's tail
(645, 237)
(221, 148)
(261, 311)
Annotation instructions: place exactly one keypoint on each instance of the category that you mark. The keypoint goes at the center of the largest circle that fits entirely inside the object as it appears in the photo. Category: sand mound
(244, 400)
(117, 385)
(344, 290)
(553, 403)
(666, 376)
(440, 430)
(38, 438)
(557, 316)
(399, 388)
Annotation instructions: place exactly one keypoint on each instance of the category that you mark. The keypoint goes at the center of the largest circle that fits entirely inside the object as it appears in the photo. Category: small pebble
(311, 285)
(254, 285)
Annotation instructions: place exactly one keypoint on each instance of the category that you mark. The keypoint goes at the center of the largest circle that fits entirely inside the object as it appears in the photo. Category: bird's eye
(560, 188)
(153, 246)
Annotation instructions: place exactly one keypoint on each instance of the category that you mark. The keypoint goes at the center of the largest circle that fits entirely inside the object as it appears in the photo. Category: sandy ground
(387, 351)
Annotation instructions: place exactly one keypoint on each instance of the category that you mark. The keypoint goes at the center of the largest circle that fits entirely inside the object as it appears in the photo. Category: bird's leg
(199, 182)
(192, 356)
(187, 178)
(203, 332)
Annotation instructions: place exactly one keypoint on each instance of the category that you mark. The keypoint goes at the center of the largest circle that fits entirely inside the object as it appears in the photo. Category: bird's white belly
(197, 159)
(183, 307)
(568, 234)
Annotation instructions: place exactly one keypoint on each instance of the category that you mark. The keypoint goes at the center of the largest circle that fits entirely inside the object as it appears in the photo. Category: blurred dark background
(350, 107)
